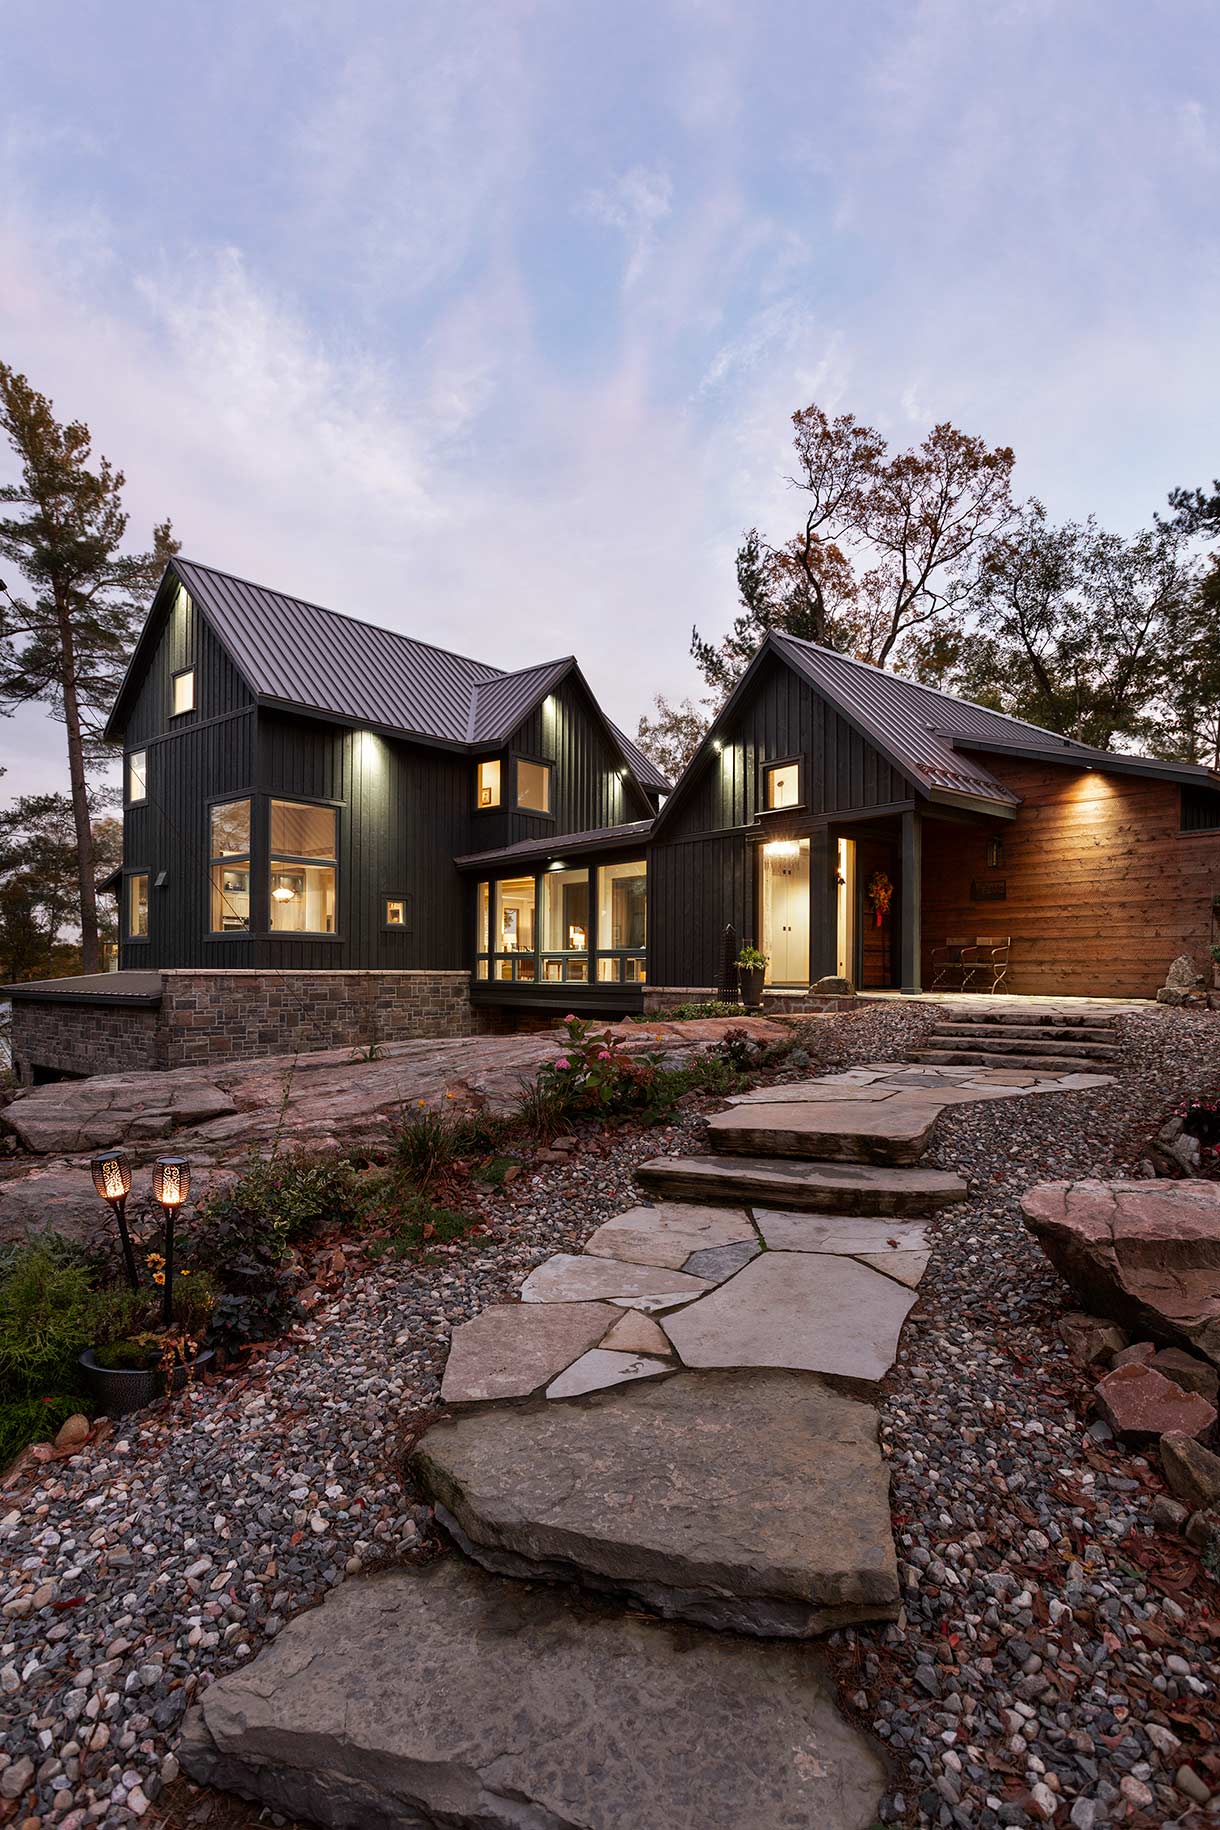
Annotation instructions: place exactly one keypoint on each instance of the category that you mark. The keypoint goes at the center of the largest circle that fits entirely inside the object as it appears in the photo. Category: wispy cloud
(637, 202)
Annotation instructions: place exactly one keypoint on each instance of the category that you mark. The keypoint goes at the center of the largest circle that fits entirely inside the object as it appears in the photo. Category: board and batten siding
(185, 641)
(1103, 887)
(702, 870)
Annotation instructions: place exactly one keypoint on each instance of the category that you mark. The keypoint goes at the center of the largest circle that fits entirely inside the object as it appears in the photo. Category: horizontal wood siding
(1103, 888)
(186, 641)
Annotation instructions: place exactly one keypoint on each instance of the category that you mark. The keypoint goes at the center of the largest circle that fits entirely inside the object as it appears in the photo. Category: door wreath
(880, 895)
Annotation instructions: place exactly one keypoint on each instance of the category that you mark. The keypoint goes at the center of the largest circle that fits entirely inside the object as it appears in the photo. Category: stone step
(996, 1012)
(447, 1696)
(823, 1188)
(987, 1058)
(1058, 1032)
(753, 1502)
(896, 1130)
(1003, 1043)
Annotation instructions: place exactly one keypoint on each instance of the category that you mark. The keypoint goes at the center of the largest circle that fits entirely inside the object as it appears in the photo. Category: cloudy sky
(485, 320)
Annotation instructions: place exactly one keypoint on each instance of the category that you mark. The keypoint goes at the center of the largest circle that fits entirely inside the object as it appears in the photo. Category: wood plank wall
(1103, 887)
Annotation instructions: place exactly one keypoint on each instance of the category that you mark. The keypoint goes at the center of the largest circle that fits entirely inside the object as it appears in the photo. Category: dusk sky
(485, 321)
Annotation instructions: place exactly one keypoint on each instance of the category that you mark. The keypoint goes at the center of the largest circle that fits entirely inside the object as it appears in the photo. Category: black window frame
(500, 806)
(1198, 808)
(407, 899)
(227, 800)
(540, 762)
(271, 857)
(129, 876)
(766, 767)
(127, 760)
(192, 709)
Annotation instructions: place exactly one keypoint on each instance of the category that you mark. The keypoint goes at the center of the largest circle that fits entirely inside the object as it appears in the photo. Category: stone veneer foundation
(206, 1017)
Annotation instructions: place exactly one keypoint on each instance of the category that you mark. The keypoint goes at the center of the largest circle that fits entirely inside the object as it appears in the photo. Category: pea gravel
(1046, 1669)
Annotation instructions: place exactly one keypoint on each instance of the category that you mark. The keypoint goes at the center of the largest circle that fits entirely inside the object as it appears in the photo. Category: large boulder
(1145, 1253)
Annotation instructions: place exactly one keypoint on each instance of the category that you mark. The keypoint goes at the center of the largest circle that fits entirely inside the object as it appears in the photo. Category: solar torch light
(171, 1185)
(112, 1179)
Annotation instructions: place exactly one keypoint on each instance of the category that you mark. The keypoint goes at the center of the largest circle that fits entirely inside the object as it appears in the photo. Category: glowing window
(137, 776)
(487, 784)
(783, 784)
(137, 906)
(183, 693)
(533, 786)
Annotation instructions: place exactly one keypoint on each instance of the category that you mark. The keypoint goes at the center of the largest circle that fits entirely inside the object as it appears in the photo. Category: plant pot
(119, 1390)
(751, 980)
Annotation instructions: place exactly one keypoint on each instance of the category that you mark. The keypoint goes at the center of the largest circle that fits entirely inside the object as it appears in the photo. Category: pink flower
(563, 1062)
(603, 1054)
(569, 1018)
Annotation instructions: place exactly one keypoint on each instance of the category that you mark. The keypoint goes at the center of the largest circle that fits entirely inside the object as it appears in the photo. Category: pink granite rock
(1136, 1401)
(1146, 1253)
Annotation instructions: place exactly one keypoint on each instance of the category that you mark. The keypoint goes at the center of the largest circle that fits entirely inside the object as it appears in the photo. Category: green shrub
(292, 1196)
(426, 1144)
(47, 1312)
(251, 1268)
(415, 1224)
(689, 1013)
(595, 1076)
(121, 1314)
(26, 1420)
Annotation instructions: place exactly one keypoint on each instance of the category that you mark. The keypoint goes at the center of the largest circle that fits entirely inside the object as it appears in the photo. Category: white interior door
(785, 911)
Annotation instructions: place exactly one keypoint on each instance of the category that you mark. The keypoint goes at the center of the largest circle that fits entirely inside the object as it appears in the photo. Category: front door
(785, 911)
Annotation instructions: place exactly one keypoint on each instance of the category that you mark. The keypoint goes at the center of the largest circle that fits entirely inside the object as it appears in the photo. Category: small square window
(396, 912)
(783, 784)
(487, 784)
(184, 693)
(137, 777)
(533, 786)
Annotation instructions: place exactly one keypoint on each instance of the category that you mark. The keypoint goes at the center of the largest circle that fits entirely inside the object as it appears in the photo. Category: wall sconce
(111, 1174)
(995, 853)
(171, 1185)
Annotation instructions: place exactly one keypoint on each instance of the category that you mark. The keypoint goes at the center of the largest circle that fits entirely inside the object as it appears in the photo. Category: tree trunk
(89, 954)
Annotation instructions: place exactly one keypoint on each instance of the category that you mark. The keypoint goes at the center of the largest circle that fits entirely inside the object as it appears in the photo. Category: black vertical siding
(186, 641)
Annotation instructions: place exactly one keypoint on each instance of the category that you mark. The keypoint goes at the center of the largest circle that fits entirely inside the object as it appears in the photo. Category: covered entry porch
(846, 898)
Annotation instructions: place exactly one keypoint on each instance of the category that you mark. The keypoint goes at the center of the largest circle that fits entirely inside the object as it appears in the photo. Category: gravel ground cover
(1057, 1658)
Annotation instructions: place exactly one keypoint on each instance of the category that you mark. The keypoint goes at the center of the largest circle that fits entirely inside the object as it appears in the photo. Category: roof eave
(1101, 761)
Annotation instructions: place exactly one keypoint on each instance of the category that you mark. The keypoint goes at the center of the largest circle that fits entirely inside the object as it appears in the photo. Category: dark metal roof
(295, 653)
(602, 838)
(142, 988)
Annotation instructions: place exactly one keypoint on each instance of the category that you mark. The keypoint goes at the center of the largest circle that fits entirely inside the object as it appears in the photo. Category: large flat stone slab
(829, 1188)
(825, 1091)
(896, 1130)
(667, 1234)
(570, 1278)
(1145, 1253)
(843, 1235)
(515, 1348)
(446, 1696)
(802, 1311)
(756, 1502)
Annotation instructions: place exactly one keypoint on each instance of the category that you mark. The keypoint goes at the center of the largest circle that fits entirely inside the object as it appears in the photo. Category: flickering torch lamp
(171, 1185)
(112, 1180)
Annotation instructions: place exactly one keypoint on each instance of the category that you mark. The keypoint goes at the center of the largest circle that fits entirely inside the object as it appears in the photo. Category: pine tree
(66, 640)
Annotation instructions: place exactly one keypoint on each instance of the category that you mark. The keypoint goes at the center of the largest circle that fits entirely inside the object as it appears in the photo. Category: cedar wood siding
(1104, 889)
(404, 812)
(701, 871)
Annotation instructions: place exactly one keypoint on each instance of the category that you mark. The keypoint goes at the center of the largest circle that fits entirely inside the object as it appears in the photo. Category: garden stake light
(112, 1179)
(171, 1184)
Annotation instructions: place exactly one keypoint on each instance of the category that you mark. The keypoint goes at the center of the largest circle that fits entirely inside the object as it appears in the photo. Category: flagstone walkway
(677, 1418)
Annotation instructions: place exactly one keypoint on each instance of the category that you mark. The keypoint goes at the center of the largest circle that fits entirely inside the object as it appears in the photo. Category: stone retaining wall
(207, 1017)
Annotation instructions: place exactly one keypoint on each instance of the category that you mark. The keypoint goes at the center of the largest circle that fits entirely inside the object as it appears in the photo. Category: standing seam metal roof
(302, 654)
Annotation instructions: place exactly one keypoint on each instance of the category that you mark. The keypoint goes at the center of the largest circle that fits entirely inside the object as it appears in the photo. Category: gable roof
(932, 738)
(298, 654)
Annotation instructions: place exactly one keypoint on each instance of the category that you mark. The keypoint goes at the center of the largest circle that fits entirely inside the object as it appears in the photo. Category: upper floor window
(487, 783)
(229, 849)
(182, 695)
(137, 777)
(137, 906)
(1200, 809)
(782, 784)
(304, 868)
(533, 786)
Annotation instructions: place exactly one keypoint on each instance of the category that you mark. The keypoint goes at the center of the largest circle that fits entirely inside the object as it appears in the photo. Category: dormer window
(182, 695)
(782, 784)
(487, 784)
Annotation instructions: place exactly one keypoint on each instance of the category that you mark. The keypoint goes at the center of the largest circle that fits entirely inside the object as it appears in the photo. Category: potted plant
(751, 971)
(136, 1359)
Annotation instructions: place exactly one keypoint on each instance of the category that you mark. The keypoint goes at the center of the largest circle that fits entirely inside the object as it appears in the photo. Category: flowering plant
(595, 1070)
(880, 895)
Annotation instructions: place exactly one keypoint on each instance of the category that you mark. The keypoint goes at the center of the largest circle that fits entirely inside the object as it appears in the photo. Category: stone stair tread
(1016, 1045)
(754, 1502)
(445, 1695)
(894, 1130)
(986, 1058)
(784, 1182)
(1104, 1038)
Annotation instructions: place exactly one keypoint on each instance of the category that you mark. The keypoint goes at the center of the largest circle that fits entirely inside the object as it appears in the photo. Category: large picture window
(137, 906)
(304, 868)
(622, 922)
(565, 926)
(229, 848)
(533, 786)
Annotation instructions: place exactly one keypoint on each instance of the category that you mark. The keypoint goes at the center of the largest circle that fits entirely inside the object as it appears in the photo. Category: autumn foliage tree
(66, 634)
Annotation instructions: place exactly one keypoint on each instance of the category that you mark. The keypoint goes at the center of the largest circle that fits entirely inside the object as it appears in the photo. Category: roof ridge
(936, 692)
(343, 616)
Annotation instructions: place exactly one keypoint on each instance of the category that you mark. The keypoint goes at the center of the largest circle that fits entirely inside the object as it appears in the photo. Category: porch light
(111, 1174)
(782, 848)
(171, 1185)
